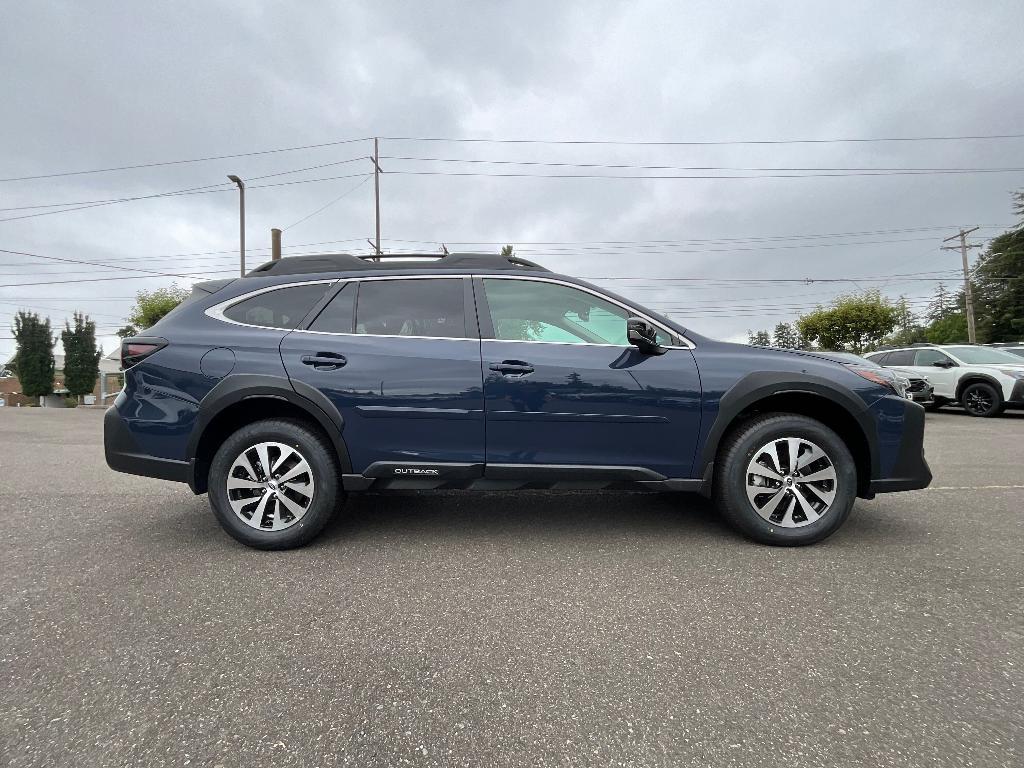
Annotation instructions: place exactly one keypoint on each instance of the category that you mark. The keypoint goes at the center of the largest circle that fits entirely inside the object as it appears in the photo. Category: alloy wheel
(978, 400)
(791, 482)
(270, 486)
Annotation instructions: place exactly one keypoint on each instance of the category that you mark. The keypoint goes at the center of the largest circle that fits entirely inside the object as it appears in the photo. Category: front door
(567, 396)
(400, 359)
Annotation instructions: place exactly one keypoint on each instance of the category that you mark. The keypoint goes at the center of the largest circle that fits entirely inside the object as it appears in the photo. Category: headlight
(1012, 374)
(896, 384)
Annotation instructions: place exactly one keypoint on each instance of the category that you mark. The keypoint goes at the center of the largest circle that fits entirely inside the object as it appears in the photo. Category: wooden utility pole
(968, 298)
(376, 191)
(275, 244)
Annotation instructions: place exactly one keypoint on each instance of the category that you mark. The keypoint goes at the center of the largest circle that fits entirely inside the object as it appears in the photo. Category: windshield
(983, 356)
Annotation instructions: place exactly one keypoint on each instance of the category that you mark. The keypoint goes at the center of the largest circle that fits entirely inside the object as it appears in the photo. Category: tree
(151, 306)
(81, 358)
(998, 282)
(127, 330)
(951, 329)
(506, 250)
(34, 358)
(786, 336)
(856, 322)
(759, 339)
(941, 305)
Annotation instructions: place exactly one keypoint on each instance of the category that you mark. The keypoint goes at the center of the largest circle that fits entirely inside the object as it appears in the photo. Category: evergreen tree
(759, 339)
(506, 250)
(81, 358)
(998, 282)
(941, 305)
(34, 358)
(786, 336)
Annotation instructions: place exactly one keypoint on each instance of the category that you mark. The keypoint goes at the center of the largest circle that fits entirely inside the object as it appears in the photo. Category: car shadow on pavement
(954, 411)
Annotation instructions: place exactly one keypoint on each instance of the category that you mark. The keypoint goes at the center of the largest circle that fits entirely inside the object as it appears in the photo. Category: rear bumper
(123, 455)
(910, 471)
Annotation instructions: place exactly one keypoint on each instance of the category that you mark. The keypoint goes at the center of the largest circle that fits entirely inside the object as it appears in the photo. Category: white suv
(984, 380)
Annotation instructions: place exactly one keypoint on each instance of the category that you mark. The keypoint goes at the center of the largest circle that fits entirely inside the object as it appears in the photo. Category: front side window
(433, 307)
(280, 308)
(930, 357)
(530, 310)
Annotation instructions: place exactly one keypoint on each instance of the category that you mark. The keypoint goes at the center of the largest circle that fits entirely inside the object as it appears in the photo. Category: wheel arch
(245, 398)
(843, 413)
(977, 378)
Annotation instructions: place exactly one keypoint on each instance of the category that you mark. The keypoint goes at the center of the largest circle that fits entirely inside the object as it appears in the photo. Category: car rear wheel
(274, 484)
(785, 479)
(982, 399)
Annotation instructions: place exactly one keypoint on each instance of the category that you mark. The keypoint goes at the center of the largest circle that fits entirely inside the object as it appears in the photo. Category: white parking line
(971, 487)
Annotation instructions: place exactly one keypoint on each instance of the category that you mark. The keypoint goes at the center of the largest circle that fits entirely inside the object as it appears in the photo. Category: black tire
(730, 479)
(982, 399)
(312, 446)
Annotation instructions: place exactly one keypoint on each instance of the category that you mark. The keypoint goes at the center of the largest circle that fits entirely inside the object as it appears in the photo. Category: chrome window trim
(217, 310)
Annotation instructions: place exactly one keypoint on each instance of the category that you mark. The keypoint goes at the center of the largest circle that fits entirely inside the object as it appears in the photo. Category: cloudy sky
(91, 86)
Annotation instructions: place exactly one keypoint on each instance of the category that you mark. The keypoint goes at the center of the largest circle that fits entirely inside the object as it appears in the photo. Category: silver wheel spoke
(263, 452)
(290, 505)
(301, 468)
(760, 469)
(239, 482)
(809, 511)
(256, 520)
(828, 473)
(810, 457)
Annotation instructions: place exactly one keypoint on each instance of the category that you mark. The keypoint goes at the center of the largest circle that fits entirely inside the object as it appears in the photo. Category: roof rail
(338, 262)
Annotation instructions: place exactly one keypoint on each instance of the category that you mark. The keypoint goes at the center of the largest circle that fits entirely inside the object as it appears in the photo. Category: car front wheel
(274, 484)
(982, 399)
(785, 479)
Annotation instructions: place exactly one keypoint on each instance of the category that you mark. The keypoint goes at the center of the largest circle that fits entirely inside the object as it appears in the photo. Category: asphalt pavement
(495, 629)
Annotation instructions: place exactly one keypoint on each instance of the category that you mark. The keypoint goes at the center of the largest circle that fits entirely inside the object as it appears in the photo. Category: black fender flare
(763, 384)
(244, 386)
(972, 378)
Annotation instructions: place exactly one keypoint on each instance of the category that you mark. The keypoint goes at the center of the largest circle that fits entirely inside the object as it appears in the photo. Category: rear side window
(281, 308)
(336, 317)
(900, 357)
(431, 308)
(878, 357)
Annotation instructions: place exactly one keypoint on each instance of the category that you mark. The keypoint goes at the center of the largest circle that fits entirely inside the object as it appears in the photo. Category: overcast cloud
(93, 85)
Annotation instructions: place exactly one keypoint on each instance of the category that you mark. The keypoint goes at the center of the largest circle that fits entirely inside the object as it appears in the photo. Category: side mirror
(943, 364)
(642, 335)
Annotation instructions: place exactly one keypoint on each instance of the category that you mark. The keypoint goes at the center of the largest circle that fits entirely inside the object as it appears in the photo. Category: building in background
(108, 384)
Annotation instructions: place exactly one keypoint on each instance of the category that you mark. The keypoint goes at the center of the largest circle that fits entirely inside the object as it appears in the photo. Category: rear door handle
(512, 368)
(324, 361)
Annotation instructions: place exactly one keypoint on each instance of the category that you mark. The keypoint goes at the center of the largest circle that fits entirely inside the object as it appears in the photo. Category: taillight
(135, 350)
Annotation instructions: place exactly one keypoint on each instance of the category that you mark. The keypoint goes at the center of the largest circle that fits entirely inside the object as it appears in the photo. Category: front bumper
(124, 455)
(1017, 396)
(910, 470)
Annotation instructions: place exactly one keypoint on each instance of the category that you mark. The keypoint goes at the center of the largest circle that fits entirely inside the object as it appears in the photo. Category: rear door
(400, 359)
(568, 398)
(939, 368)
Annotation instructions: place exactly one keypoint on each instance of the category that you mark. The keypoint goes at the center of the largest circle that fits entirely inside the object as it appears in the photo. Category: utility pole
(241, 222)
(968, 298)
(275, 244)
(376, 190)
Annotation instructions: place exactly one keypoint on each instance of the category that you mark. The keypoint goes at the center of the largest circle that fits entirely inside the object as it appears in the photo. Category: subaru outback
(313, 377)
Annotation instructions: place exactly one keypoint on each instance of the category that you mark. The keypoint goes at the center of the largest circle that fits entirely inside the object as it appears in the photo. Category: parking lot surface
(483, 629)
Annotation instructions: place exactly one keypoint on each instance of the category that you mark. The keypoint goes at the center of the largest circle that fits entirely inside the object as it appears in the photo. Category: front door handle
(512, 368)
(324, 361)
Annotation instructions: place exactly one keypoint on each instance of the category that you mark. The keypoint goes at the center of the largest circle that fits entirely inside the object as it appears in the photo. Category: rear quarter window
(280, 308)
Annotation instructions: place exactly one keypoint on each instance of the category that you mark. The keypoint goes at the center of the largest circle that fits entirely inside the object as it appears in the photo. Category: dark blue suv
(316, 376)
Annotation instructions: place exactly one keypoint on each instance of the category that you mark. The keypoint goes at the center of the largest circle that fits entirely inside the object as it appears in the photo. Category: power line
(703, 177)
(624, 166)
(732, 142)
(183, 162)
(322, 208)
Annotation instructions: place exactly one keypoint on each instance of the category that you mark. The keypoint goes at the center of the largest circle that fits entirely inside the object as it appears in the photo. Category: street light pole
(241, 222)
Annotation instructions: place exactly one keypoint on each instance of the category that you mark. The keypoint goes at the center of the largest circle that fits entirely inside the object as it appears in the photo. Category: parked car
(907, 383)
(312, 377)
(984, 380)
